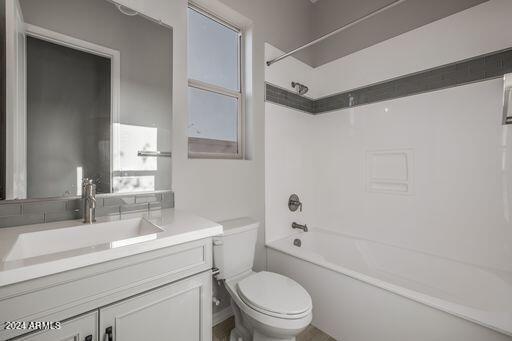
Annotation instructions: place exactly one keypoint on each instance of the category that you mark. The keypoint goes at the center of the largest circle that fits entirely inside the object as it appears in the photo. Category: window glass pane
(128, 184)
(128, 141)
(213, 52)
(213, 122)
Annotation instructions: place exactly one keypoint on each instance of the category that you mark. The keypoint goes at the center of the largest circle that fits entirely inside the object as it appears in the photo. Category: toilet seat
(274, 295)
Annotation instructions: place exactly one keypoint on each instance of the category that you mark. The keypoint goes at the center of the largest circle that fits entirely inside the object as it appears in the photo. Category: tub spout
(300, 227)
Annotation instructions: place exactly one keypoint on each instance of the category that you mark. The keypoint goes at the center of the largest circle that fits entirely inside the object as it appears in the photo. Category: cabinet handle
(88, 338)
(108, 334)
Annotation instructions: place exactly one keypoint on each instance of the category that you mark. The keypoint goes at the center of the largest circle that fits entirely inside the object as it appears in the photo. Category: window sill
(213, 156)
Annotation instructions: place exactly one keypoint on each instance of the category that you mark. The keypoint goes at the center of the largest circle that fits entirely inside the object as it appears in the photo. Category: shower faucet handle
(294, 203)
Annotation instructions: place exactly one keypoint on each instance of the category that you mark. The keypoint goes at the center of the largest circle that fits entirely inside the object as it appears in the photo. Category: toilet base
(235, 336)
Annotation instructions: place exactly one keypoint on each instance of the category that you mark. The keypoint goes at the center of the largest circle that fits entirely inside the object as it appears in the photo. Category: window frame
(220, 90)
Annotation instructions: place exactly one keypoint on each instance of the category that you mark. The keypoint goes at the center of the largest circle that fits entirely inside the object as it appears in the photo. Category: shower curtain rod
(342, 28)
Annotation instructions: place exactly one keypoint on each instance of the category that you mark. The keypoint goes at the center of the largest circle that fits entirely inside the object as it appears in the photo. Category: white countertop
(178, 227)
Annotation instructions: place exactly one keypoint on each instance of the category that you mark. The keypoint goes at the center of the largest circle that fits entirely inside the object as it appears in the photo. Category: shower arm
(342, 28)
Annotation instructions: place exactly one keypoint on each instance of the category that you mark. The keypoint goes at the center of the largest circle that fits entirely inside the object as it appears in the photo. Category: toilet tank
(233, 251)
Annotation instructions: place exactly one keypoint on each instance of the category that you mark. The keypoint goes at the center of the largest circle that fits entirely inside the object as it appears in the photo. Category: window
(215, 95)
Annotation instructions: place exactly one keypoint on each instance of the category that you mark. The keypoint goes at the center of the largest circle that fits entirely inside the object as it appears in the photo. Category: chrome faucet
(300, 227)
(89, 199)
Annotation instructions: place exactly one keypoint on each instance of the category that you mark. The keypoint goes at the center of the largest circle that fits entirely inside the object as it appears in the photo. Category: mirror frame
(115, 106)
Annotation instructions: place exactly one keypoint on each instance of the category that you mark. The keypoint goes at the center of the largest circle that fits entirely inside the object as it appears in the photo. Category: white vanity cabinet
(177, 311)
(174, 312)
(80, 328)
(164, 294)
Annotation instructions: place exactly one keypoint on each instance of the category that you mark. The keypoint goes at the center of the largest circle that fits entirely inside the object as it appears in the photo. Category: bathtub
(369, 291)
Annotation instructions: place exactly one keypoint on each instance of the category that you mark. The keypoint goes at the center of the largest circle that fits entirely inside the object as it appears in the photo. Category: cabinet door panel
(81, 328)
(178, 311)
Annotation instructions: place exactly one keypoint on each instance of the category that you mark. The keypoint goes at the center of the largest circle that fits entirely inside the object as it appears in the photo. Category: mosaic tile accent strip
(472, 70)
(25, 212)
(287, 98)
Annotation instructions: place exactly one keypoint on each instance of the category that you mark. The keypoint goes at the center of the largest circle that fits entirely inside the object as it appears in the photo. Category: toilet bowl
(267, 306)
(265, 310)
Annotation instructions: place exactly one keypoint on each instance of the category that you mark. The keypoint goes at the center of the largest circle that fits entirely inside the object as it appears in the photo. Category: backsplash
(25, 212)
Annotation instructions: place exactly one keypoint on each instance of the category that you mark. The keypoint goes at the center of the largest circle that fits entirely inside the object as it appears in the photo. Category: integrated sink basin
(115, 233)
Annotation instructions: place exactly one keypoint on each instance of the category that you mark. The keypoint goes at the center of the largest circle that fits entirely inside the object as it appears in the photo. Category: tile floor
(222, 330)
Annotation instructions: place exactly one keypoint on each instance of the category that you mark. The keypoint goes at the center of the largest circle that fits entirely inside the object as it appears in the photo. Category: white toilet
(267, 306)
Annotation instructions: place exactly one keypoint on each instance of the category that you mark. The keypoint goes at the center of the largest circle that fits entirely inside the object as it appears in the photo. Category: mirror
(88, 95)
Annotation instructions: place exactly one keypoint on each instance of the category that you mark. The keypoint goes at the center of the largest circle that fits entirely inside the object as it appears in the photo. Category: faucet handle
(294, 203)
(87, 181)
(88, 188)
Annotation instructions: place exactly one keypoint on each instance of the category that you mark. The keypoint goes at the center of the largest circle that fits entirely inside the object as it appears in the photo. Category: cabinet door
(177, 311)
(81, 328)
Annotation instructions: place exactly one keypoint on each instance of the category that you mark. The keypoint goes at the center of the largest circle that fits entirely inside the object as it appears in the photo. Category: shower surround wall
(428, 172)
(289, 145)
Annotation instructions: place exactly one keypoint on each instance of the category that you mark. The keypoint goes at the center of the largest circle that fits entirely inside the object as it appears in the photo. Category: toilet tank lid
(238, 225)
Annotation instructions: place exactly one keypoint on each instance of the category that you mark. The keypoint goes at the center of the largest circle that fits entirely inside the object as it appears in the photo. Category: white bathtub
(368, 291)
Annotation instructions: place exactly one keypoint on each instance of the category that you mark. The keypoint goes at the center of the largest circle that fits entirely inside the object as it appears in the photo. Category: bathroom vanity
(136, 278)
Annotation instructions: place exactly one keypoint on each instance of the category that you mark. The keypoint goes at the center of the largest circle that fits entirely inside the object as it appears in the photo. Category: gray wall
(225, 189)
(146, 59)
(68, 119)
(285, 24)
(328, 15)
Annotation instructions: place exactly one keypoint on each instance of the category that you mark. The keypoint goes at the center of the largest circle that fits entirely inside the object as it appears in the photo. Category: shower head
(301, 88)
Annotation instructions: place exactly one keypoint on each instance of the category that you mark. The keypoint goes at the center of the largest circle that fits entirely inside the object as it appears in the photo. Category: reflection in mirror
(92, 89)
(68, 100)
